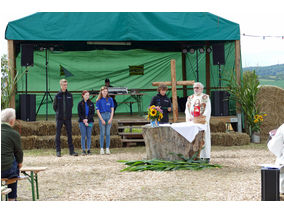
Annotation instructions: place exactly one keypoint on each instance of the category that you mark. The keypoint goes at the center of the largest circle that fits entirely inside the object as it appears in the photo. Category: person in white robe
(276, 146)
(203, 101)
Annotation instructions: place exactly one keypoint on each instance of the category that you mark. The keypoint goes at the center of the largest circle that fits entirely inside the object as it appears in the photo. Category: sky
(257, 18)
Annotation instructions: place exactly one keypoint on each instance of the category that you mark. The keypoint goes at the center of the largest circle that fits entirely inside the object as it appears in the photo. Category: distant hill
(269, 75)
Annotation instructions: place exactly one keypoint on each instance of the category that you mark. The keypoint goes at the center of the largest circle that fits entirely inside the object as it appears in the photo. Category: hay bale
(229, 139)
(270, 100)
(113, 129)
(46, 128)
(115, 141)
(217, 126)
(26, 128)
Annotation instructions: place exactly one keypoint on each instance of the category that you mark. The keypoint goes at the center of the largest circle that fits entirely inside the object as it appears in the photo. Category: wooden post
(12, 69)
(184, 73)
(174, 91)
(207, 72)
(238, 76)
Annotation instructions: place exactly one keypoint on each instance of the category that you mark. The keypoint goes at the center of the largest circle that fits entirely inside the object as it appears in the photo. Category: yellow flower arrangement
(154, 113)
(258, 119)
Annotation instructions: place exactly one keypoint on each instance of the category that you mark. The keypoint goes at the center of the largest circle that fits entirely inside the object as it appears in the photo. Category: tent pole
(238, 76)
(184, 73)
(12, 69)
(207, 70)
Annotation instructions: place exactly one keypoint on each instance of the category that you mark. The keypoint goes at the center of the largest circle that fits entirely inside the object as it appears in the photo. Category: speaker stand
(46, 94)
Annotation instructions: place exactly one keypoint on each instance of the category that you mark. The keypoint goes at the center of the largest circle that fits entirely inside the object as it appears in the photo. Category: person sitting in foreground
(11, 150)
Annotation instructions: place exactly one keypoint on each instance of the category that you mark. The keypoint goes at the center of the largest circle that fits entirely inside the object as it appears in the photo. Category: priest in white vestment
(276, 146)
(199, 104)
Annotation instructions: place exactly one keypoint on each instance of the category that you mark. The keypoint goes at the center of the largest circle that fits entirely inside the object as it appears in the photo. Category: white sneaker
(102, 151)
(107, 151)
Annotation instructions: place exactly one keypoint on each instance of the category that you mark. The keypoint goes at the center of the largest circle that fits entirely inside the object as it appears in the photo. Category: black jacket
(58, 105)
(164, 102)
(82, 111)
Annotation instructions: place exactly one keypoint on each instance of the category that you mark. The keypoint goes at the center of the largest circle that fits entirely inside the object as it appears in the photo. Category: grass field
(279, 83)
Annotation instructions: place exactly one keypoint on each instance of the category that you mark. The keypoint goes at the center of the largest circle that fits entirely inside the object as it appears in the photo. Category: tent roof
(122, 26)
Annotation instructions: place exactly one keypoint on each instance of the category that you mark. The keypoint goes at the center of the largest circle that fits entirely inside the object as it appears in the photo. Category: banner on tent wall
(136, 70)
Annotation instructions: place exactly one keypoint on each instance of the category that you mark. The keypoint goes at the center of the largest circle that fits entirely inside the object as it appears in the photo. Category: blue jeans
(105, 129)
(12, 173)
(86, 131)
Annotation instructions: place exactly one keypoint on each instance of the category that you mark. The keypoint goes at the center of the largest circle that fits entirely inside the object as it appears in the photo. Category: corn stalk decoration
(162, 165)
(8, 84)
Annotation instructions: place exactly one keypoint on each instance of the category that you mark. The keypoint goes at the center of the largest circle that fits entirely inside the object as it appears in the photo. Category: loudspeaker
(27, 107)
(218, 53)
(270, 184)
(220, 103)
(27, 57)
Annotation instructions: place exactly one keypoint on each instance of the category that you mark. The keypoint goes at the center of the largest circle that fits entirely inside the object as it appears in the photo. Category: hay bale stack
(113, 129)
(26, 128)
(115, 141)
(217, 126)
(46, 128)
(270, 100)
(229, 139)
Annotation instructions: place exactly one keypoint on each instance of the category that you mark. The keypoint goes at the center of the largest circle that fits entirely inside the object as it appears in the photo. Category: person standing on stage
(197, 105)
(107, 84)
(162, 100)
(62, 105)
(86, 110)
(105, 110)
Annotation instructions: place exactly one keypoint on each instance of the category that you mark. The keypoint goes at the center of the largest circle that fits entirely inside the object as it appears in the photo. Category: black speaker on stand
(27, 101)
(218, 57)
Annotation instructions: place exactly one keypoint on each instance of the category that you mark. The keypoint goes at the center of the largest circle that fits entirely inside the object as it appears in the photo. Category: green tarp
(90, 68)
(122, 26)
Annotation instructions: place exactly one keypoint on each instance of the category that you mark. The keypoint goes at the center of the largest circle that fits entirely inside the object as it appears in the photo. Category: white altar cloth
(187, 130)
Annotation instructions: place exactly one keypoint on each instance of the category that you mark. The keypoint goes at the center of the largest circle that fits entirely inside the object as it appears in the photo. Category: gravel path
(98, 177)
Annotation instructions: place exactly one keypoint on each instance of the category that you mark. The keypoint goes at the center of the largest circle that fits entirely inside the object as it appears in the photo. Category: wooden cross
(174, 84)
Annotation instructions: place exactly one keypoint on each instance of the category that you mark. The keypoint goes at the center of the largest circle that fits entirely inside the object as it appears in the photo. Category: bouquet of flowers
(258, 119)
(154, 113)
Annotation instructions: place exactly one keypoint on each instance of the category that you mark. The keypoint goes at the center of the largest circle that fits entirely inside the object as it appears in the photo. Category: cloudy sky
(261, 19)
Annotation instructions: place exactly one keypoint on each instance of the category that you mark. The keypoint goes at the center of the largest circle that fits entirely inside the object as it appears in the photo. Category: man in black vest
(62, 105)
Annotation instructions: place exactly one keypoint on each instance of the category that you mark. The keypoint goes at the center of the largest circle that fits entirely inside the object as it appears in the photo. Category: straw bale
(229, 139)
(217, 126)
(46, 128)
(26, 128)
(115, 141)
(270, 100)
(113, 129)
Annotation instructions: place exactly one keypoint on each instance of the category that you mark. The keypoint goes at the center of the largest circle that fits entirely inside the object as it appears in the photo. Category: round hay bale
(270, 100)
(229, 139)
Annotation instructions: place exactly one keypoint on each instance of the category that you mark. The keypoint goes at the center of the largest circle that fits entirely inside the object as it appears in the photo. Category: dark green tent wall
(90, 67)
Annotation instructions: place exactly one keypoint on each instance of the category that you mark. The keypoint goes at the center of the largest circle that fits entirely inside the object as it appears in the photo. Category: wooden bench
(33, 178)
(7, 181)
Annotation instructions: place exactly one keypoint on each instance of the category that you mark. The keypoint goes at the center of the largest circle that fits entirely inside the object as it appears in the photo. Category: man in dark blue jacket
(162, 100)
(62, 105)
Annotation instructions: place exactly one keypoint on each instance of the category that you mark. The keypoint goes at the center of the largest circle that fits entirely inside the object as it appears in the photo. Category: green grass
(279, 83)
(136, 130)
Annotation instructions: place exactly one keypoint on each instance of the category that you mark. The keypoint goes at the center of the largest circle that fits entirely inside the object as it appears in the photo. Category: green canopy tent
(95, 46)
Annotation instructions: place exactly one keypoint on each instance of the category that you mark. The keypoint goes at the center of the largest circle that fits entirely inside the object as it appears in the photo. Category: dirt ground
(98, 177)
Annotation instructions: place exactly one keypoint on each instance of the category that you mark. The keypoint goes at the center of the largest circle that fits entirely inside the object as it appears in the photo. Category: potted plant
(245, 94)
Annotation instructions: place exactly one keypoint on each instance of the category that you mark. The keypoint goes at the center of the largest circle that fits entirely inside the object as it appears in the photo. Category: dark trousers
(12, 173)
(68, 126)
